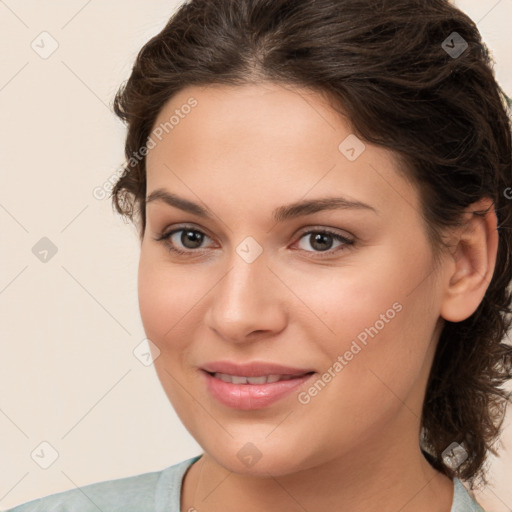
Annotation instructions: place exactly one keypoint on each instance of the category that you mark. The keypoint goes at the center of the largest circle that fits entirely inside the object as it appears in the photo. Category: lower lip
(252, 396)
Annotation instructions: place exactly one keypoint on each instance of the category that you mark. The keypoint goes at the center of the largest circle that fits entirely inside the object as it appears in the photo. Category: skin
(241, 152)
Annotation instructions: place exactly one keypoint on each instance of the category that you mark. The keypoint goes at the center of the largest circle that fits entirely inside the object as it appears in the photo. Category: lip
(252, 396)
(253, 369)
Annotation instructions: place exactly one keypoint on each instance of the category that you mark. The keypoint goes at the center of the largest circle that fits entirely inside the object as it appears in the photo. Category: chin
(260, 459)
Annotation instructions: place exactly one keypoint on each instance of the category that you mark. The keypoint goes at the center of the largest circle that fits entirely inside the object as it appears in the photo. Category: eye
(183, 240)
(322, 241)
(186, 240)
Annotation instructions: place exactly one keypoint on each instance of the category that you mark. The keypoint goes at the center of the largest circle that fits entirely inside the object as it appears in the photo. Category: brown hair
(387, 65)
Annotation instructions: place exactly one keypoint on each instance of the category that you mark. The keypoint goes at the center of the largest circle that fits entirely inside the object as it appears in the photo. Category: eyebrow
(280, 214)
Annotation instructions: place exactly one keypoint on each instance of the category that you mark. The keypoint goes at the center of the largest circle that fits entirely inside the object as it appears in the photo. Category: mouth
(238, 390)
(254, 369)
(263, 379)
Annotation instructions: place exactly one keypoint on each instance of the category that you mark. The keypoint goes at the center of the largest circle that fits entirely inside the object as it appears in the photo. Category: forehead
(264, 112)
(265, 141)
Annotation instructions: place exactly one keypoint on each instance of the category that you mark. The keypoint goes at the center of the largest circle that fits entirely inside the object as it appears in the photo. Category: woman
(320, 189)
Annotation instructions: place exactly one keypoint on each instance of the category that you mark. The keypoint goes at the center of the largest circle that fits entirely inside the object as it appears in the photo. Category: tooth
(264, 379)
(235, 379)
(223, 376)
(257, 380)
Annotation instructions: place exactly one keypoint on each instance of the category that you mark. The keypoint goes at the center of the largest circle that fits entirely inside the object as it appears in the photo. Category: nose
(247, 303)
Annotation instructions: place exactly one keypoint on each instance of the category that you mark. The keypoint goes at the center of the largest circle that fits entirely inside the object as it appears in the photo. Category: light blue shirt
(159, 491)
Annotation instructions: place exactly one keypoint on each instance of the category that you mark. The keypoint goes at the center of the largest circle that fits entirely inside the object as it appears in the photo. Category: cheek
(168, 298)
(378, 317)
(342, 302)
(367, 324)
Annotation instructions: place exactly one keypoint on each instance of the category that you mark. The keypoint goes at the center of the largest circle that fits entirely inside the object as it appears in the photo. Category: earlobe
(474, 260)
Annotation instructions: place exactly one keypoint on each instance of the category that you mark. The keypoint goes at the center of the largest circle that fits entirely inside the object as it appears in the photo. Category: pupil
(191, 237)
(320, 239)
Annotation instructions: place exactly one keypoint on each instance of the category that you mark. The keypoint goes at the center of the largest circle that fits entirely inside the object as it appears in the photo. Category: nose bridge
(246, 299)
(247, 270)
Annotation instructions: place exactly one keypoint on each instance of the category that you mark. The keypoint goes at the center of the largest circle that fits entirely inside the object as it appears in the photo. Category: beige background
(68, 375)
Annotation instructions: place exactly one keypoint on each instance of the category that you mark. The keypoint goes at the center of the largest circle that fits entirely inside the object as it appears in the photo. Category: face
(263, 271)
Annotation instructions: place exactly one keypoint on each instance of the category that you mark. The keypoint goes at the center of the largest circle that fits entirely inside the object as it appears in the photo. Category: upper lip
(253, 369)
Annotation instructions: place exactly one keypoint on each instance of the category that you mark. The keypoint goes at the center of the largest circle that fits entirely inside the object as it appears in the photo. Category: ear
(474, 258)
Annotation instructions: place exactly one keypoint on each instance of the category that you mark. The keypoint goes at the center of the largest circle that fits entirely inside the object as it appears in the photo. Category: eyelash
(165, 238)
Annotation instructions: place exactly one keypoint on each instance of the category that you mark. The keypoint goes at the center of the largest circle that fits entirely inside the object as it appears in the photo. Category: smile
(250, 393)
(264, 379)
